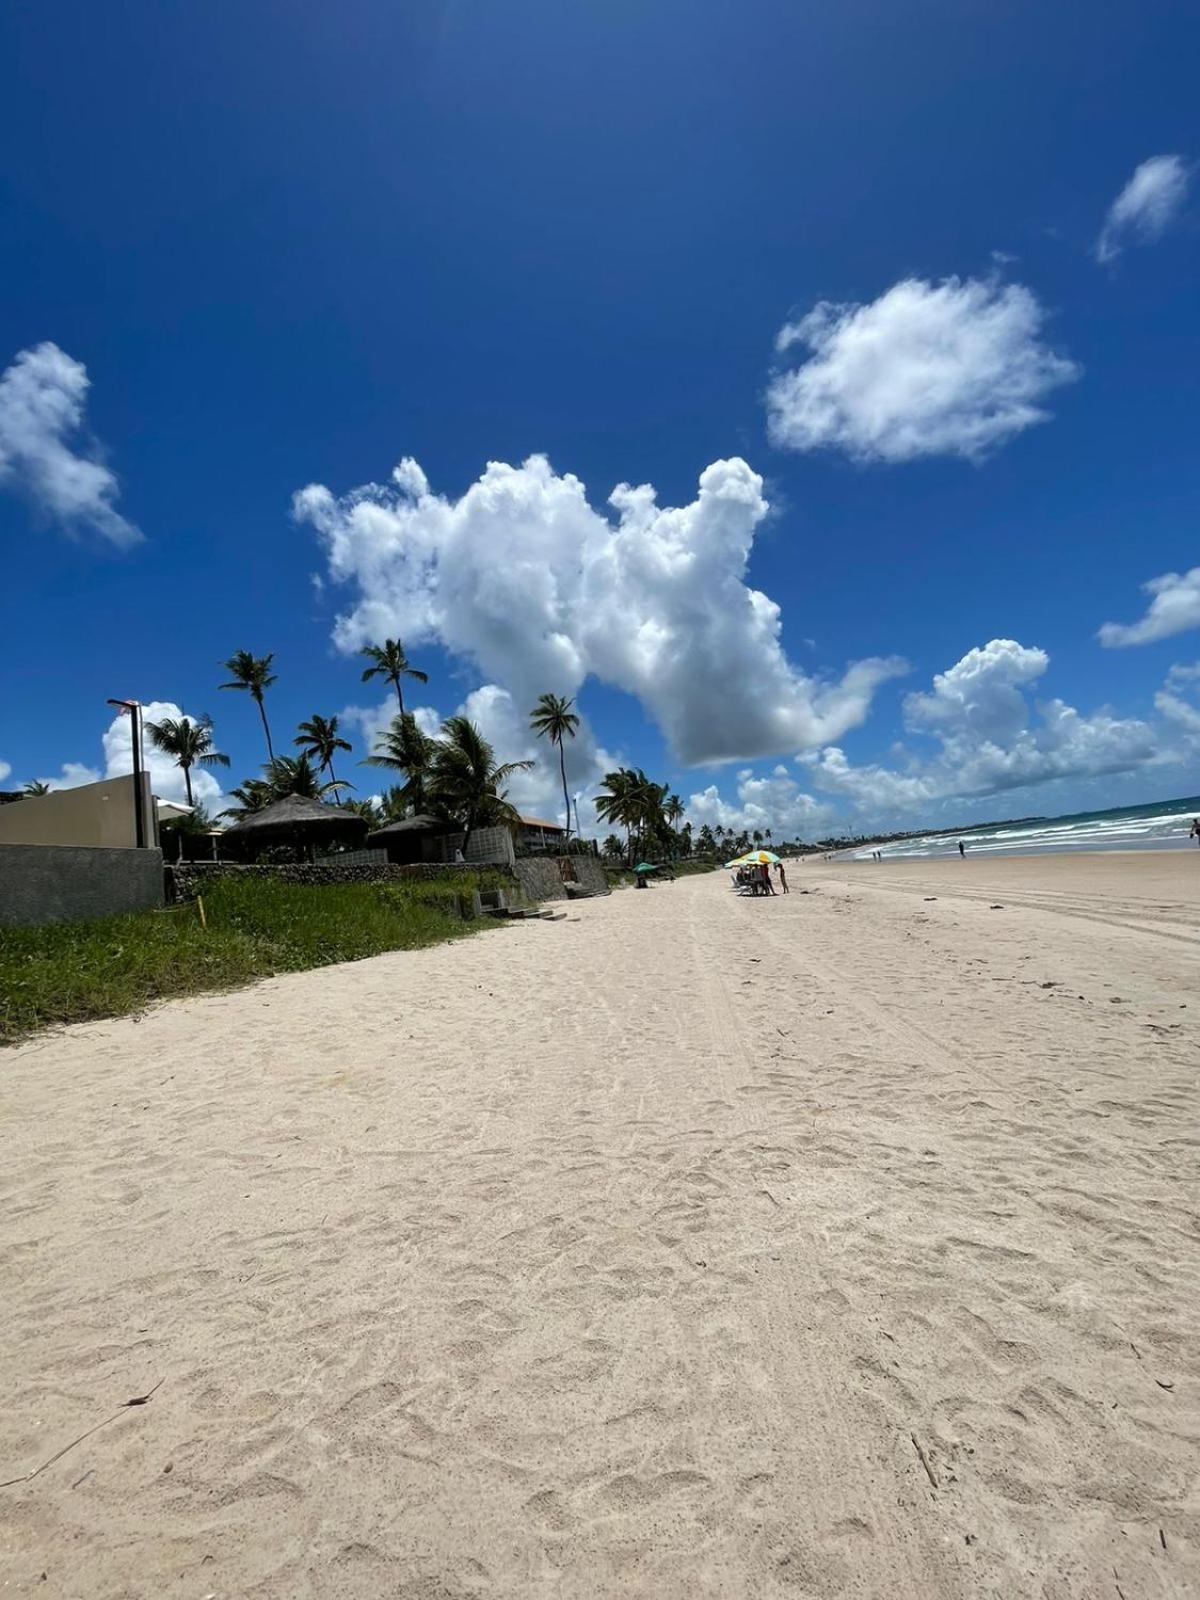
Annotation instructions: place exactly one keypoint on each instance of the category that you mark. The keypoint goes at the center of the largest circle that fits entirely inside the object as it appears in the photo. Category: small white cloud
(1145, 207)
(523, 577)
(74, 775)
(42, 399)
(952, 368)
(1174, 608)
(166, 779)
(5, 769)
(1179, 702)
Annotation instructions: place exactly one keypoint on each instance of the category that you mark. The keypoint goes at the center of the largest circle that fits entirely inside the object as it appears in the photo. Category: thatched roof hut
(298, 821)
(419, 838)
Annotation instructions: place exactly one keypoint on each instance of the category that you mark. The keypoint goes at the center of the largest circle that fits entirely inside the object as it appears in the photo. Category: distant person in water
(962, 849)
(1195, 833)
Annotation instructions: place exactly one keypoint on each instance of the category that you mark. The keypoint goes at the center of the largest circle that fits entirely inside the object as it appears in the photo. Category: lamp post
(133, 709)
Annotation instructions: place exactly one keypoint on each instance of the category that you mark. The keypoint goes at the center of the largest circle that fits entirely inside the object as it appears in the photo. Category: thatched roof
(295, 813)
(417, 824)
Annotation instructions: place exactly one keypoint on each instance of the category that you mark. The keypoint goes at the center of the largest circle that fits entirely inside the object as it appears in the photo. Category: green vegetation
(257, 927)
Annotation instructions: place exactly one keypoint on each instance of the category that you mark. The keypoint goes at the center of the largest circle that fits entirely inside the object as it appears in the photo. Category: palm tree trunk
(332, 775)
(562, 767)
(399, 695)
(187, 783)
(262, 711)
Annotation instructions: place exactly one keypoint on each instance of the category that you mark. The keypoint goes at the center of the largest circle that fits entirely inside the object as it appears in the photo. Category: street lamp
(133, 710)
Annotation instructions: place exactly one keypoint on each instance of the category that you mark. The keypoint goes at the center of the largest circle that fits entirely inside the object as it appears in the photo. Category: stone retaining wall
(541, 876)
(188, 879)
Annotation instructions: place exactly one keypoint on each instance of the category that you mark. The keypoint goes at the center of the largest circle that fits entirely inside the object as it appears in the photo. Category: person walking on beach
(782, 877)
(962, 849)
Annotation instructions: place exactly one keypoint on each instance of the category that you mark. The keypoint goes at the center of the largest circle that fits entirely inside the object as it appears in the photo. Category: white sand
(637, 1254)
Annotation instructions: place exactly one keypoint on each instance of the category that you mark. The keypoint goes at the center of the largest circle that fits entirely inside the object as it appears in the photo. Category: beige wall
(94, 814)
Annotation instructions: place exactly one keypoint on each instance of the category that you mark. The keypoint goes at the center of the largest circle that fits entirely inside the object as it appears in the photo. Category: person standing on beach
(1195, 833)
(782, 877)
(766, 878)
(962, 849)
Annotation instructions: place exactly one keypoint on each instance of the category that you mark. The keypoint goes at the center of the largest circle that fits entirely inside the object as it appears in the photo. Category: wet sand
(839, 1244)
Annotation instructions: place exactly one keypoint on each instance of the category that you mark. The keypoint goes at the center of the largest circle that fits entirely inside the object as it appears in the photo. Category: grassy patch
(257, 927)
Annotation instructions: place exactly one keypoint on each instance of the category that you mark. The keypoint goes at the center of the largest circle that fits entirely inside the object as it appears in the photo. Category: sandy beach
(843, 1244)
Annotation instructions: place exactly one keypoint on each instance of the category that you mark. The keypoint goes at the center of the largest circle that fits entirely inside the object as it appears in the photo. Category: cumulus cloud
(43, 451)
(166, 779)
(991, 737)
(952, 368)
(1174, 608)
(1179, 702)
(525, 579)
(73, 775)
(776, 802)
(5, 769)
(1145, 207)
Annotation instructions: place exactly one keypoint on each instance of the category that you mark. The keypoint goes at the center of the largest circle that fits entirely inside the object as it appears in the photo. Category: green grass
(257, 927)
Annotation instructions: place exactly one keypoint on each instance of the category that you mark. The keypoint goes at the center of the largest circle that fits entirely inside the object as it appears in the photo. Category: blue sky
(292, 245)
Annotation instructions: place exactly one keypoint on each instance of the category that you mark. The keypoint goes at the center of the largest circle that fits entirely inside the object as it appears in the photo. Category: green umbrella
(645, 866)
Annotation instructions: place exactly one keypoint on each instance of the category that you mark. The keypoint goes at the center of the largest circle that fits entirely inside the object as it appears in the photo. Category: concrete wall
(64, 883)
(100, 814)
(490, 846)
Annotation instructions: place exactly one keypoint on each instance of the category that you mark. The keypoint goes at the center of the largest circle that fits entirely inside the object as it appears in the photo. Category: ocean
(1161, 826)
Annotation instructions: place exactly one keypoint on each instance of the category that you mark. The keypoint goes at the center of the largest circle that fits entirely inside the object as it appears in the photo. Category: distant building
(537, 834)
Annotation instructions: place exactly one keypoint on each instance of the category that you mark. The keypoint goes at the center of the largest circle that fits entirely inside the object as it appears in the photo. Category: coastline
(693, 1245)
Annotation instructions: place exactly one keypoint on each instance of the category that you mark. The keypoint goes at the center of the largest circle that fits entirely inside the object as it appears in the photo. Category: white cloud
(5, 769)
(1145, 207)
(950, 368)
(525, 579)
(73, 775)
(1179, 702)
(166, 779)
(42, 399)
(776, 802)
(991, 738)
(1174, 608)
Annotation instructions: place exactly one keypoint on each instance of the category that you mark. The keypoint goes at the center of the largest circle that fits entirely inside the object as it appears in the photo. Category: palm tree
(253, 673)
(368, 808)
(468, 783)
(283, 776)
(553, 718)
(252, 795)
(389, 661)
(319, 738)
(615, 803)
(630, 798)
(403, 747)
(35, 789)
(186, 742)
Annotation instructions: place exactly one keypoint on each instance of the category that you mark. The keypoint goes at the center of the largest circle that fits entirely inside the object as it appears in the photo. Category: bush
(257, 927)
